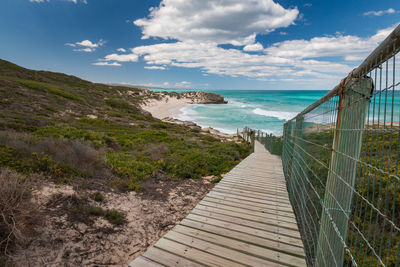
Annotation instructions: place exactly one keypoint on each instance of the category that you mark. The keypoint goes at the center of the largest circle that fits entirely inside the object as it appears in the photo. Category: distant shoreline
(168, 108)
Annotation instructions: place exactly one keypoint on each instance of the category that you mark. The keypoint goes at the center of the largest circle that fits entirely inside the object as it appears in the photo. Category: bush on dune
(57, 157)
(18, 215)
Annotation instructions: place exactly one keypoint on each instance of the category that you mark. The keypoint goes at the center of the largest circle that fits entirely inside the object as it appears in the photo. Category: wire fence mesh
(271, 142)
(341, 162)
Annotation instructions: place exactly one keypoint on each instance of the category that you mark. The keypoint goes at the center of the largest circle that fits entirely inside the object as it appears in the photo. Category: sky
(198, 44)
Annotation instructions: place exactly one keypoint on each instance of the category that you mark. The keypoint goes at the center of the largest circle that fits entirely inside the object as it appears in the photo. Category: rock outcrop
(204, 98)
(193, 97)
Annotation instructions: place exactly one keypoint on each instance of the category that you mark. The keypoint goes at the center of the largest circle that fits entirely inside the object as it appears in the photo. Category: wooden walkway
(245, 220)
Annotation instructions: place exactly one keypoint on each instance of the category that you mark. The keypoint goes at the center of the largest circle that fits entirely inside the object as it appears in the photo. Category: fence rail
(341, 162)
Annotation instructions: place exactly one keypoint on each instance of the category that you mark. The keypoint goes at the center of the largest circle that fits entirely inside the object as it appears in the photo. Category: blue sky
(226, 44)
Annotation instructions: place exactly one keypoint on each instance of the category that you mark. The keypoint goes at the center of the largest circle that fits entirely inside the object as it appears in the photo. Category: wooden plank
(244, 247)
(269, 200)
(267, 192)
(270, 196)
(261, 182)
(252, 186)
(167, 259)
(194, 254)
(262, 214)
(283, 207)
(278, 176)
(245, 182)
(277, 179)
(264, 230)
(274, 244)
(260, 171)
(248, 217)
(217, 250)
(144, 262)
(248, 206)
(274, 228)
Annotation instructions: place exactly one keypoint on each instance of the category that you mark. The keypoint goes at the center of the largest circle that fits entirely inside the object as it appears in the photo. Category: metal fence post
(298, 133)
(347, 143)
(252, 139)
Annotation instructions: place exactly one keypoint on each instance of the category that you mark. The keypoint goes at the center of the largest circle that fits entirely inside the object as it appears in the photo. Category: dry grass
(77, 154)
(18, 215)
(157, 151)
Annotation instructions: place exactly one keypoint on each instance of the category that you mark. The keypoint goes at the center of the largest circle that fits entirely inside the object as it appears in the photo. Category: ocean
(259, 109)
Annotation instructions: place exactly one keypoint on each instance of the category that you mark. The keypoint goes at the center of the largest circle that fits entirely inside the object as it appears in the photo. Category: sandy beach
(166, 107)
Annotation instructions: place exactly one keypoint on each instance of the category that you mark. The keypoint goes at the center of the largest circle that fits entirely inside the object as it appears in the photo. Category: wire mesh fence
(341, 162)
(271, 142)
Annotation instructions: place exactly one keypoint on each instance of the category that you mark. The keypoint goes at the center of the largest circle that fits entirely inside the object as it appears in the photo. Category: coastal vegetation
(59, 129)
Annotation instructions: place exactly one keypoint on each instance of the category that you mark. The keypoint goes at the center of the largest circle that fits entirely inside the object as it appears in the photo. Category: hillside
(92, 163)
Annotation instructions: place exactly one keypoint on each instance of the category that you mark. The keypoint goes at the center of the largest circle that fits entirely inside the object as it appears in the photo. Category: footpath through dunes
(246, 220)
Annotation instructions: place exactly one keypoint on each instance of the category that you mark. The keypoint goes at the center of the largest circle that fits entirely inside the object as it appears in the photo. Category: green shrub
(119, 104)
(114, 217)
(79, 210)
(126, 185)
(95, 211)
(9, 157)
(49, 88)
(125, 165)
(98, 197)
(136, 140)
(72, 133)
(216, 180)
(195, 164)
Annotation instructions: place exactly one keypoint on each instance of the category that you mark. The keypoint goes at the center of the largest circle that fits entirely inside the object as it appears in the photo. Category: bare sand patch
(149, 215)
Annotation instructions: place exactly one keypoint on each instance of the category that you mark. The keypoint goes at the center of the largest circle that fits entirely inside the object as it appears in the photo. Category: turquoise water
(265, 110)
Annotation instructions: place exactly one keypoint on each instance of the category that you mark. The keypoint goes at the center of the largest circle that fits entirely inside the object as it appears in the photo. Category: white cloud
(223, 21)
(380, 12)
(121, 50)
(122, 58)
(183, 84)
(209, 23)
(216, 60)
(198, 29)
(349, 47)
(88, 43)
(253, 47)
(154, 67)
(162, 85)
(102, 63)
(86, 46)
(76, 1)
(86, 49)
(285, 60)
